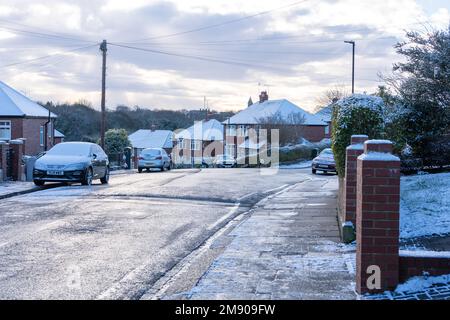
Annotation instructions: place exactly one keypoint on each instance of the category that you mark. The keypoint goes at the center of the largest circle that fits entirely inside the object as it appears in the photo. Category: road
(116, 241)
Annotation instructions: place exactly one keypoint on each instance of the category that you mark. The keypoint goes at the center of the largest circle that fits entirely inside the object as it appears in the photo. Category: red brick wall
(416, 266)
(314, 133)
(377, 218)
(352, 154)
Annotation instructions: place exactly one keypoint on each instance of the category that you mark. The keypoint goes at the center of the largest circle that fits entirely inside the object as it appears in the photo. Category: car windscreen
(152, 152)
(327, 153)
(70, 149)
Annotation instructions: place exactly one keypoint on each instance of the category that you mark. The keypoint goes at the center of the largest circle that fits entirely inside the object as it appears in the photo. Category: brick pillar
(18, 151)
(377, 216)
(353, 152)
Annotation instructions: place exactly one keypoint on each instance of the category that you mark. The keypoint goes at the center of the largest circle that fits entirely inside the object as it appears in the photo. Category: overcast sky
(294, 51)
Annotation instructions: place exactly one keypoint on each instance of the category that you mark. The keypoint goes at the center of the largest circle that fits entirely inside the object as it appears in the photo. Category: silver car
(155, 158)
(72, 162)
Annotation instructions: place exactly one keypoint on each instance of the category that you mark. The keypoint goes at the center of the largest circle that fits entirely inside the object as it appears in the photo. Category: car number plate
(149, 163)
(55, 173)
(325, 167)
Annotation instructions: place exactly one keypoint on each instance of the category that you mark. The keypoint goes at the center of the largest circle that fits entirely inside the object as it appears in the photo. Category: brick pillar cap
(16, 142)
(382, 146)
(3, 142)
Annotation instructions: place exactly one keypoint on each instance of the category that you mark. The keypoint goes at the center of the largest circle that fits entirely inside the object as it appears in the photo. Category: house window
(195, 145)
(5, 130)
(232, 131)
(230, 150)
(327, 130)
(243, 131)
(41, 136)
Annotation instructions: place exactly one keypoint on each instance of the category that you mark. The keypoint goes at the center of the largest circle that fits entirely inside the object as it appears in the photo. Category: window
(195, 145)
(229, 150)
(232, 131)
(5, 130)
(41, 136)
(327, 130)
(243, 130)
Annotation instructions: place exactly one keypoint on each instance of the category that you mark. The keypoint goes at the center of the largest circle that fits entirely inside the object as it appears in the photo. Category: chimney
(263, 97)
(250, 102)
(153, 127)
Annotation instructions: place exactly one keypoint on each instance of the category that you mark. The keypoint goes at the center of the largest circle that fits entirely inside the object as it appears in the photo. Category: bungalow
(199, 144)
(145, 139)
(326, 115)
(269, 114)
(22, 118)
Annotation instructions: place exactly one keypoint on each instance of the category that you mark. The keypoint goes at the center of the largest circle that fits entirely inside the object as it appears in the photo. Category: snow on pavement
(13, 187)
(298, 165)
(425, 205)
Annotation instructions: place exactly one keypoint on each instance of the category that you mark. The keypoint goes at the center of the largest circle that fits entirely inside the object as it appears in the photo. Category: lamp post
(353, 64)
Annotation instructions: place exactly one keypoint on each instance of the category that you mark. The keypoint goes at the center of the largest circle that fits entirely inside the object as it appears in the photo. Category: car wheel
(87, 181)
(314, 171)
(169, 167)
(140, 170)
(105, 179)
(39, 183)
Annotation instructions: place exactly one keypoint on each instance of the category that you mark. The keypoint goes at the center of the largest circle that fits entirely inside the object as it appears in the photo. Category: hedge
(357, 114)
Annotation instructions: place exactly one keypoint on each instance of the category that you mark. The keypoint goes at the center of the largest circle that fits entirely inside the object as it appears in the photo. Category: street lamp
(353, 63)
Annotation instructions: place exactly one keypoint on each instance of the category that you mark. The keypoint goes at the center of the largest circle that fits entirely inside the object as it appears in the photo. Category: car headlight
(75, 166)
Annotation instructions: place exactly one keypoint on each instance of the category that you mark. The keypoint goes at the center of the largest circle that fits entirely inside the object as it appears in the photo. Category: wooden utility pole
(104, 49)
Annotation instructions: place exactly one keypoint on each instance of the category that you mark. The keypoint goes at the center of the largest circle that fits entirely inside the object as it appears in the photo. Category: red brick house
(199, 144)
(21, 117)
(271, 114)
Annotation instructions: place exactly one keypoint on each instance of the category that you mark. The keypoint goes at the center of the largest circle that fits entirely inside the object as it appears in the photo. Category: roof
(326, 114)
(15, 104)
(58, 134)
(211, 130)
(287, 111)
(145, 139)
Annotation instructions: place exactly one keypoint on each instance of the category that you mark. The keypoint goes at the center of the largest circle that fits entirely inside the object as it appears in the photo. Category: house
(199, 143)
(326, 115)
(58, 137)
(145, 139)
(243, 135)
(21, 117)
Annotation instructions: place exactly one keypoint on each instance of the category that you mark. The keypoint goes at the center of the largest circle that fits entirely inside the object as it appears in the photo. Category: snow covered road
(116, 241)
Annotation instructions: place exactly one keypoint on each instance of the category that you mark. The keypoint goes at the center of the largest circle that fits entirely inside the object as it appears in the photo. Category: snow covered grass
(417, 284)
(425, 205)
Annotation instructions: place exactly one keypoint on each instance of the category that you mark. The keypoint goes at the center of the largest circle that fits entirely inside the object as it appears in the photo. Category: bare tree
(290, 127)
(331, 96)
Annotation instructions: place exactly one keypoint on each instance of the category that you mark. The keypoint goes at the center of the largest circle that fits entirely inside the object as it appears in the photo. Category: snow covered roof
(15, 104)
(211, 130)
(326, 113)
(58, 134)
(283, 109)
(144, 139)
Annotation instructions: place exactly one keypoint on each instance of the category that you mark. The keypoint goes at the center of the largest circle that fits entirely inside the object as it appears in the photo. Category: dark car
(324, 162)
(72, 162)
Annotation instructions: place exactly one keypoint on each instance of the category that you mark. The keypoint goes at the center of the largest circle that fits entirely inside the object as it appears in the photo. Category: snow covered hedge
(302, 152)
(357, 114)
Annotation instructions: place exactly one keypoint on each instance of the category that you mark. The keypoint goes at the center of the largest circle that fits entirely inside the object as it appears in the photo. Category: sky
(171, 54)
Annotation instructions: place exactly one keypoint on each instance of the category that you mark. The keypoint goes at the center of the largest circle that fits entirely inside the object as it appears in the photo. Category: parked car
(72, 162)
(225, 161)
(324, 162)
(154, 158)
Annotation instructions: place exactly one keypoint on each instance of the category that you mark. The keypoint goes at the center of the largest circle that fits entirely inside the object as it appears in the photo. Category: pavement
(11, 189)
(287, 248)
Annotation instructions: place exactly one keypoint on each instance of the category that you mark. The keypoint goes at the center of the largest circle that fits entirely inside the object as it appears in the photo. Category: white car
(155, 158)
(225, 161)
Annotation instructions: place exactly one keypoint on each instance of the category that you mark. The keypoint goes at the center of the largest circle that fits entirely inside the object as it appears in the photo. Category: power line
(208, 59)
(222, 23)
(46, 56)
(43, 35)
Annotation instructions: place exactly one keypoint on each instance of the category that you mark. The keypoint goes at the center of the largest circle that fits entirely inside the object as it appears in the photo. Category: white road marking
(225, 217)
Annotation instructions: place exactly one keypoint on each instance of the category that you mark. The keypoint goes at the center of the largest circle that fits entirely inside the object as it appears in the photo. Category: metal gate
(9, 163)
